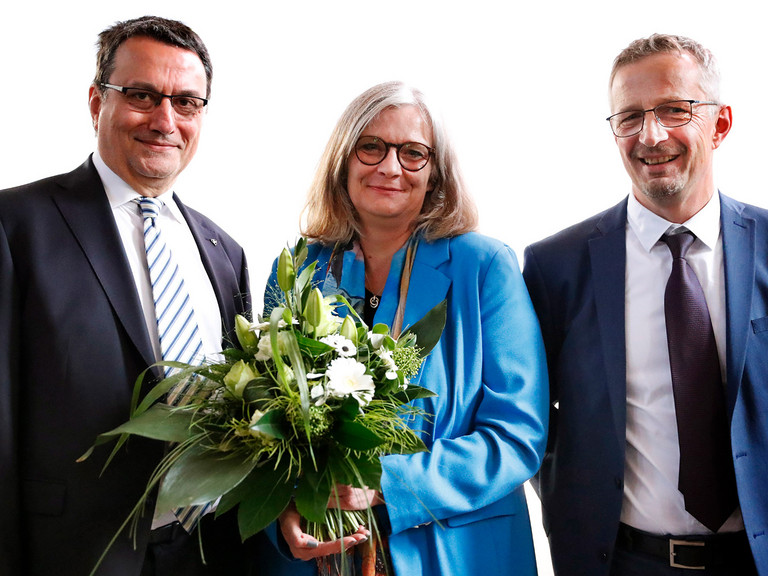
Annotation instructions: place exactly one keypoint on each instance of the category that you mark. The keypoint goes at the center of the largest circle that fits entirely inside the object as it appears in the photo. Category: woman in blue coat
(391, 225)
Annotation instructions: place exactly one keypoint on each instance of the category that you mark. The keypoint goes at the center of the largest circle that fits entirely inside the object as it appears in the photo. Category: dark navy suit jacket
(72, 342)
(576, 282)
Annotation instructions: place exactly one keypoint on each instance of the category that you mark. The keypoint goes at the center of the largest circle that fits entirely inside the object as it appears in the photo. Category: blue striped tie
(176, 325)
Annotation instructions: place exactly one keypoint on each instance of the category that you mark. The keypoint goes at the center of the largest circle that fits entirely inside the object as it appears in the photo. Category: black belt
(691, 552)
(166, 533)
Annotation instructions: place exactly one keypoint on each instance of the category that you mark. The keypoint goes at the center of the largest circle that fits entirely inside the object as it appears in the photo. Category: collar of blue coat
(428, 285)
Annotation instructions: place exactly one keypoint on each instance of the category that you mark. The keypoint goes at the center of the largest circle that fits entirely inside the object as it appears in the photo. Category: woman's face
(386, 195)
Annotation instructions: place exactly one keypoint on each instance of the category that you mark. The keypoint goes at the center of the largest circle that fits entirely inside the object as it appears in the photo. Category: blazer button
(603, 557)
(619, 483)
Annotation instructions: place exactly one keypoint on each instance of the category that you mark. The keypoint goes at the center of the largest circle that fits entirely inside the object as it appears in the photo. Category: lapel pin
(214, 241)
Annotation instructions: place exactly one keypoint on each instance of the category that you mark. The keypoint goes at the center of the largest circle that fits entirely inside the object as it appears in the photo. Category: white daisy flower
(346, 377)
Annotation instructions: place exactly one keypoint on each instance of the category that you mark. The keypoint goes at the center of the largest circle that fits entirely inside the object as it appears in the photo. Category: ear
(95, 99)
(723, 123)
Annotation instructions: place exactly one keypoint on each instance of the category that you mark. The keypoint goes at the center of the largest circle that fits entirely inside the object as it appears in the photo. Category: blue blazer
(72, 342)
(576, 282)
(459, 509)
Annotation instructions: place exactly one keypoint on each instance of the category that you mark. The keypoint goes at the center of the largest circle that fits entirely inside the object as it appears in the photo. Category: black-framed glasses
(413, 156)
(669, 114)
(145, 100)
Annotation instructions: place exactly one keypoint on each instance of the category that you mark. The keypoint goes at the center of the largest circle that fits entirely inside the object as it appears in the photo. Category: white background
(522, 88)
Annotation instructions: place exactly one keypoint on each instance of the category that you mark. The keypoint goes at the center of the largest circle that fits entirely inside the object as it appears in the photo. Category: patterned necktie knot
(679, 243)
(150, 207)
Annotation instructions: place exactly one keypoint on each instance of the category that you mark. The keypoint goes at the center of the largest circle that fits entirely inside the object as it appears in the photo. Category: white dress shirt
(652, 501)
(176, 233)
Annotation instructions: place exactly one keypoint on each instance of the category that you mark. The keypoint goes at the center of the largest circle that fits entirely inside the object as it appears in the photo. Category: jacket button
(603, 557)
(619, 483)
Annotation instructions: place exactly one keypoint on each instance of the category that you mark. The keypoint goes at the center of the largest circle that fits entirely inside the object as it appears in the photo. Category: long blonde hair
(448, 210)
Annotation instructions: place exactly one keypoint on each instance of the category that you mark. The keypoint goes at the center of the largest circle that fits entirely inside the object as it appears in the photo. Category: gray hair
(448, 210)
(668, 43)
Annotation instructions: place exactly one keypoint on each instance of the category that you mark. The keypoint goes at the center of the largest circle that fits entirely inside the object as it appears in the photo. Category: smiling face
(670, 168)
(148, 149)
(385, 195)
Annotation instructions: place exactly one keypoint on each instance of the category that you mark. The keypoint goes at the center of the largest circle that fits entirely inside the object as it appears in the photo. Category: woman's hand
(350, 498)
(305, 547)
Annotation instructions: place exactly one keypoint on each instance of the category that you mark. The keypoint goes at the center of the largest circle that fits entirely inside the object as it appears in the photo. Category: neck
(378, 248)
(675, 208)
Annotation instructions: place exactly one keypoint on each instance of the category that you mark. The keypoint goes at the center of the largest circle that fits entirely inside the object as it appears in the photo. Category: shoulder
(470, 249)
(573, 239)
(470, 258)
(25, 194)
(756, 213)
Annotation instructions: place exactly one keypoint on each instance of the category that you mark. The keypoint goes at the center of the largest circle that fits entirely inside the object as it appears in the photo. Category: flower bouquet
(309, 400)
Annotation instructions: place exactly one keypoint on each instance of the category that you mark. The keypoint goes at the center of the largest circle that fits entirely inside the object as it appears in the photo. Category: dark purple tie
(707, 478)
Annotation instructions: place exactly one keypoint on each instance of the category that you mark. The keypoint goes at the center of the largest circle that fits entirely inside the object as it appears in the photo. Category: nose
(653, 132)
(390, 165)
(162, 118)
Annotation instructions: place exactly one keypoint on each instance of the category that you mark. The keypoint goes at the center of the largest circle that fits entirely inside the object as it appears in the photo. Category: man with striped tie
(103, 271)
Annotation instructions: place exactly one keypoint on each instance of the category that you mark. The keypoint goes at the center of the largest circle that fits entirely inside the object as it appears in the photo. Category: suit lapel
(739, 263)
(218, 268)
(86, 210)
(428, 285)
(608, 261)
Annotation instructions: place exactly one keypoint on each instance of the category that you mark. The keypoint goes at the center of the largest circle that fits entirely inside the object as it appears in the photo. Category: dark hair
(163, 30)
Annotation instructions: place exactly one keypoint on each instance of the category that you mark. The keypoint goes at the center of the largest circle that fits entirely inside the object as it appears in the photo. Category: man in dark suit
(614, 481)
(77, 318)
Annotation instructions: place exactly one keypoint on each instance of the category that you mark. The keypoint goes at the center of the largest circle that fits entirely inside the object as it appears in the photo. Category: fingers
(330, 548)
(351, 498)
(305, 547)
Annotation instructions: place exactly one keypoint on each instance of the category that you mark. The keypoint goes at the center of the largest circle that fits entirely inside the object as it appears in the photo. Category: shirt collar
(120, 193)
(649, 227)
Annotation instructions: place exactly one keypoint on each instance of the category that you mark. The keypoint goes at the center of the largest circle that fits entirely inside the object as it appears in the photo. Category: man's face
(149, 149)
(670, 168)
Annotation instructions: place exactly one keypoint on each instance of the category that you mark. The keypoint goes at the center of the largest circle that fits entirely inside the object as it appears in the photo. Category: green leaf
(311, 346)
(161, 389)
(348, 410)
(368, 470)
(267, 494)
(160, 422)
(300, 373)
(416, 445)
(305, 278)
(356, 470)
(356, 436)
(272, 424)
(232, 355)
(312, 494)
(258, 391)
(412, 393)
(380, 329)
(200, 476)
(429, 329)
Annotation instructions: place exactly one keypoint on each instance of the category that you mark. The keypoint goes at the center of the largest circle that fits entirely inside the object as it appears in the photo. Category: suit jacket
(576, 282)
(489, 418)
(72, 342)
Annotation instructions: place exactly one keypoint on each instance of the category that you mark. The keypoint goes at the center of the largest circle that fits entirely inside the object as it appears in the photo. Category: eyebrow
(151, 88)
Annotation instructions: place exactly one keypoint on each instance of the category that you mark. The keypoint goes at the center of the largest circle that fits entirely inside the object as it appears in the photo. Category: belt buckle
(673, 543)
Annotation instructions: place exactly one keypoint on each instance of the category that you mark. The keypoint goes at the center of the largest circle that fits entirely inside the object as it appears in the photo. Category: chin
(661, 190)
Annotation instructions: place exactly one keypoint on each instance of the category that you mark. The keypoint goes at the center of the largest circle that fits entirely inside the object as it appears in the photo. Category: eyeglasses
(670, 115)
(413, 156)
(145, 100)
